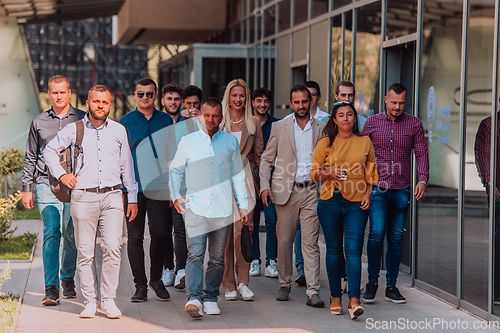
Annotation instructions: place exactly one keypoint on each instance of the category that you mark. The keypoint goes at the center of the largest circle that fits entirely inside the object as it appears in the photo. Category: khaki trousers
(303, 203)
(233, 259)
(89, 212)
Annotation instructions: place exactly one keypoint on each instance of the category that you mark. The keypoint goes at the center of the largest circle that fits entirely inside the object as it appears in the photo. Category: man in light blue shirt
(96, 199)
(211, 162)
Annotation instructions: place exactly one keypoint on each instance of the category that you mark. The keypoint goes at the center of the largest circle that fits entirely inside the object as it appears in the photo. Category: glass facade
(444, 53)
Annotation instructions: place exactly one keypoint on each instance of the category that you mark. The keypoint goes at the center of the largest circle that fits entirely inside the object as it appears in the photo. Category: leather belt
(102, 190)
(304, 184)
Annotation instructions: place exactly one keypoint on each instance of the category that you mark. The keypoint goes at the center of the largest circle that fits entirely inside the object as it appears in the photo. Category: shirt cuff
(132, 197)
(27, 188)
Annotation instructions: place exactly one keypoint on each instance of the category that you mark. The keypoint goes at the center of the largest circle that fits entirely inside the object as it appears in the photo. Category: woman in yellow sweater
(344, 162)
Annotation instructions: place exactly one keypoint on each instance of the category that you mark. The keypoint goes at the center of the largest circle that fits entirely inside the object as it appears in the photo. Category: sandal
(355, 311)
(336, 309)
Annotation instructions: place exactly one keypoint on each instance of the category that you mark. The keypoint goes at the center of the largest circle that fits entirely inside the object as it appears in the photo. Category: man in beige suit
(291, 144)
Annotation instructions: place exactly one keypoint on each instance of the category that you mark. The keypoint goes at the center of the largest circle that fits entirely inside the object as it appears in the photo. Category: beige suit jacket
(281, 147)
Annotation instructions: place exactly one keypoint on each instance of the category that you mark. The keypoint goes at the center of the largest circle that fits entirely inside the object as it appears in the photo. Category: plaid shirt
(482, 149)
(393, 142)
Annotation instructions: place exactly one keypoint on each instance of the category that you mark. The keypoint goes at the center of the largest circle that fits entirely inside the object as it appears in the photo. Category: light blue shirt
(106, 160)
(213, 169)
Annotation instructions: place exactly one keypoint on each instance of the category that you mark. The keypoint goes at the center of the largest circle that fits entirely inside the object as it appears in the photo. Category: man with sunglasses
(141, 125)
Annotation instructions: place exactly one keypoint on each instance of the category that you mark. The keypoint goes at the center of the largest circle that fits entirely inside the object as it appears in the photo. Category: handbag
(246, 244)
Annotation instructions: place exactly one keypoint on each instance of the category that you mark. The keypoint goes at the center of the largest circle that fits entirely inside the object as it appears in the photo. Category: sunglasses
(344, 103)
(149, 94)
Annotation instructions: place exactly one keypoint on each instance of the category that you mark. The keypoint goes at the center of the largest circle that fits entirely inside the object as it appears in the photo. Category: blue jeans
(343, 220)
(271, 240)
(297, 247)
(388, 212)
(56, 222)
(215, 267)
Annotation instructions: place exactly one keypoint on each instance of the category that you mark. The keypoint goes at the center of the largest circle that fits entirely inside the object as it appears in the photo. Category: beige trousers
(104, 211)
(303, 203)
(233, 259)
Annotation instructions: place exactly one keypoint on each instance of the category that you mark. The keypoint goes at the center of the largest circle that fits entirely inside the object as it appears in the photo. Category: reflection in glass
(284, 15)
(368, 60)
(439, 113)
(319, 7)
(348, 46)
(336, 56)
(401, 18)
(476, 213)
(269, 21)
(301, 11)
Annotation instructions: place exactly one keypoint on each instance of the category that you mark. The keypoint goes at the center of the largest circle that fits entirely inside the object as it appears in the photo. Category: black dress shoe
(51, 295)
(160, 290)
(315, 301)
(68, 285)
(141, 294)
(283, 293)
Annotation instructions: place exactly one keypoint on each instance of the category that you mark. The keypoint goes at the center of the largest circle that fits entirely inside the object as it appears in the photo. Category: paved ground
(264, 314)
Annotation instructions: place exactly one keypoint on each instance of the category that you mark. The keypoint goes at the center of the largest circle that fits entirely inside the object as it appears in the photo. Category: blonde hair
(226, 117)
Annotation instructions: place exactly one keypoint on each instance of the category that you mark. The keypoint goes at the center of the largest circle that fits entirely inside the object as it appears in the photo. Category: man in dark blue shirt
(141, 125)
(261, 102)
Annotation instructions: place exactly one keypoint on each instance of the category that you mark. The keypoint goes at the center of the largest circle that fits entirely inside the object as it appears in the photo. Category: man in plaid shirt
(394, 134)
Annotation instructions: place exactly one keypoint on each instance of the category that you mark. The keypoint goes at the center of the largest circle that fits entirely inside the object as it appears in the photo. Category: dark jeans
(343, 220)
(497, 250)
(271, 240)
(388, 212)
(180, 247)
(160, 231)
(297, 247)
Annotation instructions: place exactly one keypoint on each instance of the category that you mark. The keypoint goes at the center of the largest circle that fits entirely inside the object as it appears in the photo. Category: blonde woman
(238, 120)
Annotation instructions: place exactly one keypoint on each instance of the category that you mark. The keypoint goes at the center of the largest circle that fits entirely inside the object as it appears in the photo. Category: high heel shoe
(355, 311)
(335, 309)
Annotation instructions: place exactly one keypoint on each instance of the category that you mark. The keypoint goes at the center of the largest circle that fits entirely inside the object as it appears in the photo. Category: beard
(94, 114)
(173, 113)
(298, 116)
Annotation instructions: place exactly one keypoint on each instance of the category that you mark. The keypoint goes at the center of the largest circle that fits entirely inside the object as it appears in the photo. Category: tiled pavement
(264, 314)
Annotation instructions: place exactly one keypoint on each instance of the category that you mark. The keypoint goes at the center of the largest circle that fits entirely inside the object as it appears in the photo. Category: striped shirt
(482, 151)
(393, 142)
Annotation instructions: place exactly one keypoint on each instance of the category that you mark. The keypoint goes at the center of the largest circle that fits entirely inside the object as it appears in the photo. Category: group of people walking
(205, 172)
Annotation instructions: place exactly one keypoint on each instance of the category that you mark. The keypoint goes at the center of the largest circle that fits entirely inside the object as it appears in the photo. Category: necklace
(237, 122)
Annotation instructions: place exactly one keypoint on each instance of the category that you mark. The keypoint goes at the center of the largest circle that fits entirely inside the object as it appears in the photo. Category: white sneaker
(168, 277)
(211, 308)
(109, 306)
(272, 269)
(245, 292)
(343, 285)
(194, 308)
(89, 311)
(180, 279)
(255, 268)
(231, 295)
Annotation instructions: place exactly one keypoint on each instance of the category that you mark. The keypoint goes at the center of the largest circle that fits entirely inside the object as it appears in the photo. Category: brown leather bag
(61, 191)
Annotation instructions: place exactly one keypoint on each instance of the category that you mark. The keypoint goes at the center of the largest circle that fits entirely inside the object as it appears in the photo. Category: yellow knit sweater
(355, 154)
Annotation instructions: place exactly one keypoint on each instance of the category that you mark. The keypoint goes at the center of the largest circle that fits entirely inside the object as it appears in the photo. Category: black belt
(102, 190)
(304, 184)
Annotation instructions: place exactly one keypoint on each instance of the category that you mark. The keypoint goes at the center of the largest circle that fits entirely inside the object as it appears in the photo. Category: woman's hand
(366, 201)
(335, 173)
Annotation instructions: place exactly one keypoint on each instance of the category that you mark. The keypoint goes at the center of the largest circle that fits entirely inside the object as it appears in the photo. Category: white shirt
(237, 135)
(304, 149)
(213, 169)
(321, 115)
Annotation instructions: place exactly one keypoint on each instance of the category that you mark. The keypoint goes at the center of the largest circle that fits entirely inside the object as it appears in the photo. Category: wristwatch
(424, 182)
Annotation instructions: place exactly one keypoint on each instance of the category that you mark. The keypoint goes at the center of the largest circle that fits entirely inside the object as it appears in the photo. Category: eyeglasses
(343, 103)
(149, 94)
